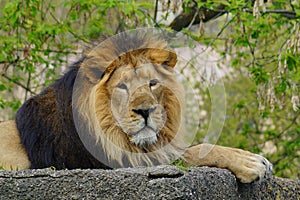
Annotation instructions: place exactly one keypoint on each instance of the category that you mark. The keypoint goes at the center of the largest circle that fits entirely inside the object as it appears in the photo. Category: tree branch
(155, 10)
(285, 13)
(184, 19)
(19, 84)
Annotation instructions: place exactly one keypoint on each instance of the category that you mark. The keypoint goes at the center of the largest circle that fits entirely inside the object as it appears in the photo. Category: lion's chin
(145, 137)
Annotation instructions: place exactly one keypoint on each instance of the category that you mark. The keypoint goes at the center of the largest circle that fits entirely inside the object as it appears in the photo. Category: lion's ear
(108, 72)
(162, 56)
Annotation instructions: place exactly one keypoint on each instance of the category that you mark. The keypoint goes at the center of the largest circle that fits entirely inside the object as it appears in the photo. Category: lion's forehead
(136, 75)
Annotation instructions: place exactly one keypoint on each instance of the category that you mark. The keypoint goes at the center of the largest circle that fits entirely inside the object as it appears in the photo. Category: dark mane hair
(47, 130)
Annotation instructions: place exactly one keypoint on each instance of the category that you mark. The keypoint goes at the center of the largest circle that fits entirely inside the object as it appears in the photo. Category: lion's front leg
(246, 166)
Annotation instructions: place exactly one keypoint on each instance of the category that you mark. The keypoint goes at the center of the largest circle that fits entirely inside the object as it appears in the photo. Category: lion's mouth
(144, 137)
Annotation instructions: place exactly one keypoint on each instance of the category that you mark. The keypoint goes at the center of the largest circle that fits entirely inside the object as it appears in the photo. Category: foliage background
(259, 42)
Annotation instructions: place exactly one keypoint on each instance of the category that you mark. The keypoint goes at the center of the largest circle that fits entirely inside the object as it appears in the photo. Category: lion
(118, 106)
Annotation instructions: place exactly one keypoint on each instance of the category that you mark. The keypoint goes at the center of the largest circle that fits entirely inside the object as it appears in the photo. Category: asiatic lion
(120, 105)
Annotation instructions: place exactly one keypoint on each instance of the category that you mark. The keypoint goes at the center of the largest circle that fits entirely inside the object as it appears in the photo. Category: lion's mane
(70, 124)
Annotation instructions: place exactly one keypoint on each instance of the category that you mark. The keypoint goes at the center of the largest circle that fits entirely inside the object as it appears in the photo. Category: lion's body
(12, 153)
(119, 106)
(47, 130)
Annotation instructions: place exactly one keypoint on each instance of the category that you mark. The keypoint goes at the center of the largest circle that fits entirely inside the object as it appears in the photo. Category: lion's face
(137, 102)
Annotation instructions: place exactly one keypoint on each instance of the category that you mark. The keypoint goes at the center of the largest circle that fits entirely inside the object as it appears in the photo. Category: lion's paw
(251, 167)
(246, 166)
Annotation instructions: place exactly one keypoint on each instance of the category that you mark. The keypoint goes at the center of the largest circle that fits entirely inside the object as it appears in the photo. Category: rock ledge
(160, 182)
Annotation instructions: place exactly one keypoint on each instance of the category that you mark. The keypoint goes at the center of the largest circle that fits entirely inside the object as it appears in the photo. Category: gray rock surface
(160, 182)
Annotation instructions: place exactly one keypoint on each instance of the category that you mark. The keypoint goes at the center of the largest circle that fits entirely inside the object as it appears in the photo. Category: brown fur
(12, 153)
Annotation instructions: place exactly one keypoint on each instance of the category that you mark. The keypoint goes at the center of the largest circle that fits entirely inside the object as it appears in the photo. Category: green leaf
(291, 62)
(2, 87)
(240, 105)
(255, 34)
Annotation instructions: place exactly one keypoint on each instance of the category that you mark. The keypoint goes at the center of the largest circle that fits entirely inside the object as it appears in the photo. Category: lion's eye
(153, 83)
(122, 86)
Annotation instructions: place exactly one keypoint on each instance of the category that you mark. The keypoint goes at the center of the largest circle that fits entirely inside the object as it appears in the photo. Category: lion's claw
(251, 168)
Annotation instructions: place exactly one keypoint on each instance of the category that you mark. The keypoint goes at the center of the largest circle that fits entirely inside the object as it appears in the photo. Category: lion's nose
(144, 112)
